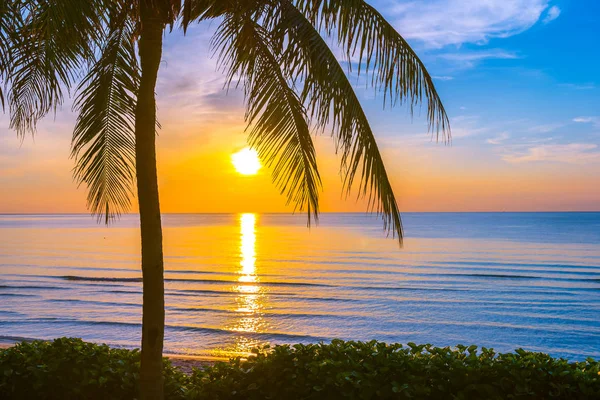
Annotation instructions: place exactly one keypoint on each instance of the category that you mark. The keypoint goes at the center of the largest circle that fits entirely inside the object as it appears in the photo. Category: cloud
(190, 87)
(470, 59)
(499, 139)
(588, 120)
(464, 126)
(585, 86)
(551, 15)
(439, 23)
(572, 153)
(443, 78)
(545, 128)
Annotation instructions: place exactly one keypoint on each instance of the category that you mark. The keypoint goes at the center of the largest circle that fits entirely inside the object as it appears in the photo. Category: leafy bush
(73, 369)
(373, 370)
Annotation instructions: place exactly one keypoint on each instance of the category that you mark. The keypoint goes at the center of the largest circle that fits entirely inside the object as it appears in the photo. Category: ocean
(236, 281)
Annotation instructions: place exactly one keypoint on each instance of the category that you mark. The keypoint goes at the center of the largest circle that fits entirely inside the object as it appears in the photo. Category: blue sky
(523, 70)
(519, 79)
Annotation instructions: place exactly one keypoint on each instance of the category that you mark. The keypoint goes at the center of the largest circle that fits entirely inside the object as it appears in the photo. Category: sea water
(236, 281)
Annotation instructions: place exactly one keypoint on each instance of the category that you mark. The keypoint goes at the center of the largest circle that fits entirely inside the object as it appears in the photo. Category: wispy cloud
(194, 90)
(588, 120)
(439, 23)
(443, 78)
(467, 125)
(552, 14)
(470, 59)
(498, 139)
(545, 128)
(572, 153)
(584, 86)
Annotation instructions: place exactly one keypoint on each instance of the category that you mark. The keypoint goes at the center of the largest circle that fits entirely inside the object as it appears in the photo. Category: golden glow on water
(248, 247)
(251, 298)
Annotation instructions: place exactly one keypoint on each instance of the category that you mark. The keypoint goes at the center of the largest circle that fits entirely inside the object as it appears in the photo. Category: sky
(519, 80)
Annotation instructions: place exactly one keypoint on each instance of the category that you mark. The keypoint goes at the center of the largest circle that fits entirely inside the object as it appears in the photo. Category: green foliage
(73, 369)
(374, 370)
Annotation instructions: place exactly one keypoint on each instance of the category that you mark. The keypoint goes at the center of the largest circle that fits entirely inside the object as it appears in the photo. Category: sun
(246, 161)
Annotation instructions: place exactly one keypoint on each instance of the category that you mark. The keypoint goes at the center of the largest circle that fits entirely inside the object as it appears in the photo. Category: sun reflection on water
(251, 298)
(248, 247)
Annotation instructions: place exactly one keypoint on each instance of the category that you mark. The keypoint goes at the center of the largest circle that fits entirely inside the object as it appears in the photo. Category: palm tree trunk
(153, 319)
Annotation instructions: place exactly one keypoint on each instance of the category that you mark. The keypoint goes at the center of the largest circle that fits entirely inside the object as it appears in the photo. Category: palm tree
(275, 49)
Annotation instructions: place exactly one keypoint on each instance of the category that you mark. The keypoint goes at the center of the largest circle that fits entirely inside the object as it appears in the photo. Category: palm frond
(103, 140)
(279, 129)
(332, 102)
(10, 22)
(57, 36)
(199, 10)
(372, 42)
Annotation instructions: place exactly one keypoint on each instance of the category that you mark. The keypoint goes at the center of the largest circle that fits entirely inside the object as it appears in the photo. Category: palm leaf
(103, 140)
(10, 22)
(332, 102)
(199, 10)
(47, 52)
(373, 43)
(279, 130)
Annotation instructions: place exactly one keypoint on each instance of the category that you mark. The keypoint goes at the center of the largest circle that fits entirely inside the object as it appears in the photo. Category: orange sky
(196, 175)
(519, 150)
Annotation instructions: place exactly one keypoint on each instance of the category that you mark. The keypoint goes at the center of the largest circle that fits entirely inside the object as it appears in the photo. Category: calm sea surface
(501, 280)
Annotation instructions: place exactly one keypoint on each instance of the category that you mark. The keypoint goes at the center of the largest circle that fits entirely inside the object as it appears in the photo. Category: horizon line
(324, 212)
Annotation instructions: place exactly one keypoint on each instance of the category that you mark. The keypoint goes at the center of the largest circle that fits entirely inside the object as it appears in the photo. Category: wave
(515, 276)
(106, 281)
(263, 283)
(121, 291)
(98, 279)
(94, 302)
(269, 314)
(15, 339)
(511, 264)
(294, 296)
(229, 282)
(191, 292)
(184, 309)
(405, 288)
(494, 276)
(265, 336)
(31, 287)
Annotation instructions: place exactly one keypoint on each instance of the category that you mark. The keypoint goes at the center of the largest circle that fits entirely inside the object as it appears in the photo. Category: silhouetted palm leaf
(103, 139)
(332, 102)
(369, 41)
(10, 22)
(48, 51)
(278, 119)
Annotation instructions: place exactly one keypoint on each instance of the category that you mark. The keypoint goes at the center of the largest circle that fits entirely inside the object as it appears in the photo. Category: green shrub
(73, 369)
(373, 370)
